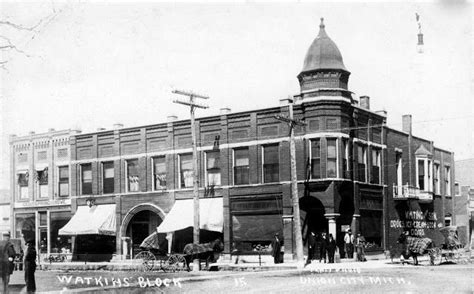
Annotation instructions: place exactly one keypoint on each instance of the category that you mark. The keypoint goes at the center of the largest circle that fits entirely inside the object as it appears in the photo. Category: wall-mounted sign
(56, 202)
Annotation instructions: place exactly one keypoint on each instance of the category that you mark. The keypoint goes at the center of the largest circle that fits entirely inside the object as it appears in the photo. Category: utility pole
(294, 184)
(193, 105)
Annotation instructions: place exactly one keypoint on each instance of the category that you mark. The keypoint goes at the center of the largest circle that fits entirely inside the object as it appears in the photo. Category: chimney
(118, 126)
(31, 133)
(285, 101)
(406, 123)
(382, 112)
(365, 102)
(50, 130)
(101, 129)
(172, 118)
(225, 110)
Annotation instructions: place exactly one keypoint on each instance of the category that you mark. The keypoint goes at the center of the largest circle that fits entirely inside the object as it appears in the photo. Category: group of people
(7, 258)
(327, 247)
(359, 244)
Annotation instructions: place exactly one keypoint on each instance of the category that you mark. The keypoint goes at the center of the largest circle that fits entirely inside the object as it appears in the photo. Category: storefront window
(59, 243)
(255, 222)
(25, 225)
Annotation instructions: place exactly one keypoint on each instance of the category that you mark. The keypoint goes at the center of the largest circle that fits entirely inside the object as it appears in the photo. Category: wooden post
(191, 103)
(294, 184)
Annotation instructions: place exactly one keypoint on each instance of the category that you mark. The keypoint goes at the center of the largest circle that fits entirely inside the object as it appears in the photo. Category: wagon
(453, 250)
(152, 257)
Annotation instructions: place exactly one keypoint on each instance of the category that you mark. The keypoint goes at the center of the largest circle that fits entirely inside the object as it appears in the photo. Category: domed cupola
(323, 67)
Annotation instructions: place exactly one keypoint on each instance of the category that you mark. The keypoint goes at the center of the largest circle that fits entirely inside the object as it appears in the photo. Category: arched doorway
(140, 222)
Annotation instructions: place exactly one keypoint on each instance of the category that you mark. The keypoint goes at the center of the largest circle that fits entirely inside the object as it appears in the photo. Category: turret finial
(321, 25)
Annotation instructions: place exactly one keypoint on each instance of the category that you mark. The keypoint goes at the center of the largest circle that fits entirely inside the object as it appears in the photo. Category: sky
(93, 64)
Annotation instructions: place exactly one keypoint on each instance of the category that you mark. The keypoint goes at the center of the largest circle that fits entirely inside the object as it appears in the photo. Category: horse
(414, 246)
(202, 251)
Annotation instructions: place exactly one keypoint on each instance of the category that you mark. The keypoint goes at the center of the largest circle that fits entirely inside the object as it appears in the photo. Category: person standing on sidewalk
(30, 266)
(349, 244)
(276, 247)
(331, 248)
(323, 247)
(311, 247)
(7, 255)
(360, 243)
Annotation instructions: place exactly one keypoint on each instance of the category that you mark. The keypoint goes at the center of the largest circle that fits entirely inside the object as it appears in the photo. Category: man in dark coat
(311, 247)
(276, 247)
(7, 255)
(331, 247)
(323, 247)
(30, 266)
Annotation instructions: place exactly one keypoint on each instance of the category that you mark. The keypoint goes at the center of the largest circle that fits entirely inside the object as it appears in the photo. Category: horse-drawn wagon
(452, 250)
(153, 256)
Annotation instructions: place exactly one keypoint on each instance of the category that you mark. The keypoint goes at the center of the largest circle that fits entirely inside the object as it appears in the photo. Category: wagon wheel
(147, 258)
(175, 263)
(435, 256)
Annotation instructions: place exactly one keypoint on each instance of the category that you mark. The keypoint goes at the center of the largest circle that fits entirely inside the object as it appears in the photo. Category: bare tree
(11, 32)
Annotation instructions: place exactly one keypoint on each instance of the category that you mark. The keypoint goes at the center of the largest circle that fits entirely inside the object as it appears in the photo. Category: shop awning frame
(94, 220)
(181, 215)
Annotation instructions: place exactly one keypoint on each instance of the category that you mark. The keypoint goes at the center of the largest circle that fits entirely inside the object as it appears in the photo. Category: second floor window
(108, 177)
(399, 167)
(213, 169)
(331, 162)
(86, 179)
(23, 180)
(424, 174)
(345, 159)
(447, 180)
(159, 172)
(436, 178)
(63, 181)
(42, 179)
(133, 176)
(271, 167)
(361, 163)
(186, 170)
(316, 159)
(375, 166)
(241, 166)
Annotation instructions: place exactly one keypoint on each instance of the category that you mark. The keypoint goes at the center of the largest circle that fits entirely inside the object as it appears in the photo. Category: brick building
(353, 171)
(40, 188)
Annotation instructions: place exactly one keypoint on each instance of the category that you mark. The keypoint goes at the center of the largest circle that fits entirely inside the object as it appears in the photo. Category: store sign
(416, 222)
(56, 202)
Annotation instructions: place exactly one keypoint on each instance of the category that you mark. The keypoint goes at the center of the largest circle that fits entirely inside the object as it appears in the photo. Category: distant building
(40, 188)
(353, 172)
(5, 210)
(465, 172)
(465, 197)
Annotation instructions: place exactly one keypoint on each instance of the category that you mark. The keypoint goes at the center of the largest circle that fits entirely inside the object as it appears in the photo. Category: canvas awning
(95, 220)
(181, 216)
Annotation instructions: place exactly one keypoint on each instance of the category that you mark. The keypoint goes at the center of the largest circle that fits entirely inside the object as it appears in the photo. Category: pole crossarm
(292, 122)
(188, 103)
(189, 93)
